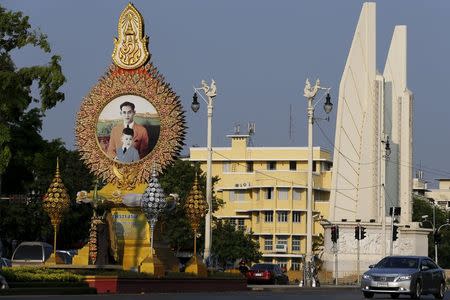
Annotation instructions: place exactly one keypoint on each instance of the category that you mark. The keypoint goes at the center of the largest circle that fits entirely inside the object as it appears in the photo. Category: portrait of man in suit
(141, 127)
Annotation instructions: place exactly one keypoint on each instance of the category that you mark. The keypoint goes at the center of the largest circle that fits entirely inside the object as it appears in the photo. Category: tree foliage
(232, 244)
(421, 207)
(16, 95)
(179, 179)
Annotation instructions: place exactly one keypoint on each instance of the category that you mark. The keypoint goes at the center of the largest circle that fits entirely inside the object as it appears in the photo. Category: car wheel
(441, 293)
(368, 294)
(395, 296)
(417, 291)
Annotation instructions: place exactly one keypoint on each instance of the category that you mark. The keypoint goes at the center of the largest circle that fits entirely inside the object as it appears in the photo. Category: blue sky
(260, 53)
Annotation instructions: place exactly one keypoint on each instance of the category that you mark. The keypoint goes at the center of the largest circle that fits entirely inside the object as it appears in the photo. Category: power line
(428, 169)
(292, 182)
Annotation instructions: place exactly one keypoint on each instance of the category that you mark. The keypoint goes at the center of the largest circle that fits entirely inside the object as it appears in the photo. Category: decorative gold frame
(147, 83)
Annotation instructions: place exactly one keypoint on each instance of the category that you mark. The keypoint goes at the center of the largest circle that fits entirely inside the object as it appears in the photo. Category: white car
(31, 253)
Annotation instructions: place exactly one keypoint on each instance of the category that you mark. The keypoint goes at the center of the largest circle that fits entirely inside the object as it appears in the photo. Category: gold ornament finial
(130, 48)
(196, 206)
(56, 200)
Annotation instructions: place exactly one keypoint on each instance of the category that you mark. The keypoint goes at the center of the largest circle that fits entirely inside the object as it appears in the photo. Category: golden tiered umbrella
(56, 201)
(196, 209)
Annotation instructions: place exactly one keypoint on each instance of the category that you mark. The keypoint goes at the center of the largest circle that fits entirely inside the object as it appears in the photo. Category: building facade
(439, 197)
(265, 192)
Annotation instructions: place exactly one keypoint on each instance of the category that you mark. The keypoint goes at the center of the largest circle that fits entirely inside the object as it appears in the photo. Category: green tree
(179, 179)
(233, 244)
(16, 95)
(422, 206)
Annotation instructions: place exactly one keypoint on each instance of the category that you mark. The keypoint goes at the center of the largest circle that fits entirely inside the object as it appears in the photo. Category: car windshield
(398, 263)
(268, 267)
(31, 252)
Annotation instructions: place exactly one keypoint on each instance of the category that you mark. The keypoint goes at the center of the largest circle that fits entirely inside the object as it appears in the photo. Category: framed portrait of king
(128, 128)
(130, 122)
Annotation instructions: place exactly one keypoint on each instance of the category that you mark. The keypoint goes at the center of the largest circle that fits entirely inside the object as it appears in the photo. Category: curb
(299, 289)
(48, 291)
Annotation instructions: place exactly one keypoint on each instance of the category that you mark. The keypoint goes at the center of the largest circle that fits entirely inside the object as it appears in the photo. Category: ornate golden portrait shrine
(131, 120)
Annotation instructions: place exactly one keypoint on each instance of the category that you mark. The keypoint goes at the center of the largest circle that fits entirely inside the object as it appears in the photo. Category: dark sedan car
(266, 273)
(411, 275)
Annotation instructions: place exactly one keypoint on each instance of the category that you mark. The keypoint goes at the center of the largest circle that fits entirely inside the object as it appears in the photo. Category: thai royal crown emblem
(130, 48)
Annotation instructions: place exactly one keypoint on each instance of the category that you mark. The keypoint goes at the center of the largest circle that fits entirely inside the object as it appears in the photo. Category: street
(285, 293)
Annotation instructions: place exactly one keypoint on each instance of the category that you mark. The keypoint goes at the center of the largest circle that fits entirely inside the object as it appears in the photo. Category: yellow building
(265, 191)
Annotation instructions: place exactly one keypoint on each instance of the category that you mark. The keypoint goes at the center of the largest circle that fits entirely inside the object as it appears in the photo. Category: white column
(309, 205)
(207, 252)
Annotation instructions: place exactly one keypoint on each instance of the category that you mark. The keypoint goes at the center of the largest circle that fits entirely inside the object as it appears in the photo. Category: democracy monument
(372, 174)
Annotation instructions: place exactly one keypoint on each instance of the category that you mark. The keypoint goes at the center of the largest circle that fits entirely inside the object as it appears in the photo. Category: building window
(283, 193)
(295, 243)
(268, 244)
(326, 166)
(268, 217)
(249, 166)
(296, 194)
(237, 195)
(256, 194)
(271, 165)
(269, 193)
(315, 166)
(321, 196)
(240, 195)
(226, 167)
(232, 196)
(241, 224)
(282, 241)
(257, 217)
(282, 262)
(296, 264)
(292, 166)
(282, 216)
(296, 217)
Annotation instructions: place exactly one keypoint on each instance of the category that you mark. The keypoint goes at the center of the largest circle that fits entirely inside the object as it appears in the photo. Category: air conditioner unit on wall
(281, 248)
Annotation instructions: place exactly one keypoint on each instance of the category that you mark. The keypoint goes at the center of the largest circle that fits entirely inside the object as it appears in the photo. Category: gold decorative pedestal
(196, 266)
(82, 257)
(132, 234)
(152, 265)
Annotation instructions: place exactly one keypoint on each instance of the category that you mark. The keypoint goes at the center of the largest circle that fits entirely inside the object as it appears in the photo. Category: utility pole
(357, 253)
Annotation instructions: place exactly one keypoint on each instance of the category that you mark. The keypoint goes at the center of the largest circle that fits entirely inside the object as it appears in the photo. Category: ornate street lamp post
(210, 92)
(153, 204)
(56, 201)
(196, 209)
(310, 92)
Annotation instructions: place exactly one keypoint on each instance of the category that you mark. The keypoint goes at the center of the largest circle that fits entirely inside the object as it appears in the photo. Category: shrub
(33, 274)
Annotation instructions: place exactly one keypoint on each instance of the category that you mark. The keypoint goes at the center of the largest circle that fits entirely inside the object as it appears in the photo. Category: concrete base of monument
(152, 265)
(412, 240)
(196, 266)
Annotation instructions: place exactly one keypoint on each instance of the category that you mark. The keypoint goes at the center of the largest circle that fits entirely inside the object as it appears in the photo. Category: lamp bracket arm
(197, 90)
(321, 98)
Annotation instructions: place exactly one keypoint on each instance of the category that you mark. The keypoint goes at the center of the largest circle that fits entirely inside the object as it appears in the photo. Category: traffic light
(394, 232)
(334, 233)
(363, 233)
(357, 232)
(437, 238)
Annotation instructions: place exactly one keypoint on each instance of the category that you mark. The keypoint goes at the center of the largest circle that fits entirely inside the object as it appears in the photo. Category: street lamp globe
(195, 106)
(328, 106)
